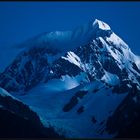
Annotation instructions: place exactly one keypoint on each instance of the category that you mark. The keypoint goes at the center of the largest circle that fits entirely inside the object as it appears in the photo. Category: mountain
(87, 76)
(18, 120)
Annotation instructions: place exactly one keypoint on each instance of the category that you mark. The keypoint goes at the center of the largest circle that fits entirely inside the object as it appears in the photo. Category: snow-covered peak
(77, 37)
(101, 25)
(116, 40)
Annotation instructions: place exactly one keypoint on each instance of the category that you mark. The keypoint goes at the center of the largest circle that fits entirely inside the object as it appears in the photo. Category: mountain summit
(101, 25)
(79, 36)
(87, 76)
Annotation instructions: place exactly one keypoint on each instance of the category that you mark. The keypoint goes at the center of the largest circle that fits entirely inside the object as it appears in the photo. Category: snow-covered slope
(75, 77)
(88, 106)
(4, 93)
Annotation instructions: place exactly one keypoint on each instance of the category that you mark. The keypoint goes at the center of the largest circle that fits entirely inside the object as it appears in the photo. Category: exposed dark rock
(18, 121)
(93, 119)
(15, 126)
(80, 110)
(72, 103)
(74, 100)
(125, 120)
(95, 90)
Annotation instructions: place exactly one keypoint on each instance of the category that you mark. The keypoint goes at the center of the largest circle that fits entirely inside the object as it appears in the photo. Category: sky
(20, 21)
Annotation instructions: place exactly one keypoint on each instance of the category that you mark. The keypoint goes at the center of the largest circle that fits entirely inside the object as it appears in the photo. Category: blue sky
(22, 20)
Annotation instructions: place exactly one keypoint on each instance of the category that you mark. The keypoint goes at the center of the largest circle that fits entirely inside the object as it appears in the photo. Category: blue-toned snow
(49, 99)
(48, 102)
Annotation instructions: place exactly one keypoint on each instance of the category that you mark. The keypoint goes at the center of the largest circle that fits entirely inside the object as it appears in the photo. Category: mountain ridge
(67, 81)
